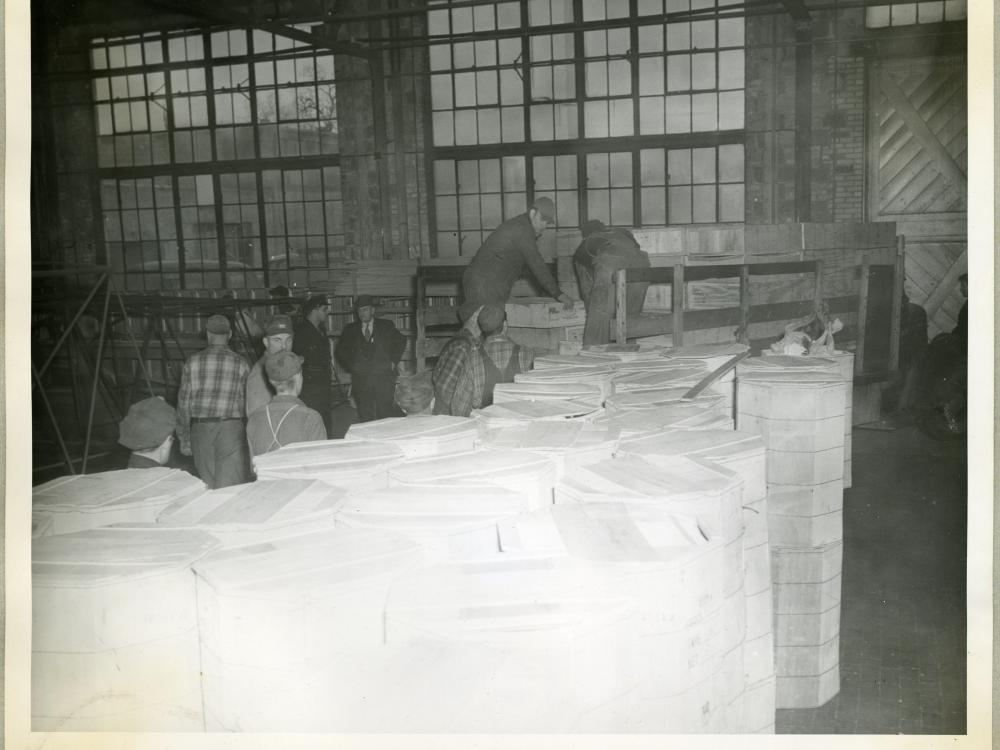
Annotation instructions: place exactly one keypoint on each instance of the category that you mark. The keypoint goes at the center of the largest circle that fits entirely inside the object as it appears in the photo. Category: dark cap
(147, 424)
(546, 208)
(282, 366)
(217, 324)
(466, 309)
(491, 318)
(279, 291)
(278, 324)
(592, 227)
(364, 300)
(317, 300)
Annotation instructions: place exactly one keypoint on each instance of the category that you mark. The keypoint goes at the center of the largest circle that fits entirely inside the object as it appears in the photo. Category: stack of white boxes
(799, 413)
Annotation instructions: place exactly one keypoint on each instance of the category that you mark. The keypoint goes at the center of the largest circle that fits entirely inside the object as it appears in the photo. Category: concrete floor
(903, 608)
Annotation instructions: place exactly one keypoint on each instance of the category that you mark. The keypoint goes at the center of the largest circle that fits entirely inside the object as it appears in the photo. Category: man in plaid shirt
(210, 409)
(470, 367)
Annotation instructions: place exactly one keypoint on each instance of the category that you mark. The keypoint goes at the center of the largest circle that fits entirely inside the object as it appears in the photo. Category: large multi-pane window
(217, 152)
(616, 116)
(909, 13)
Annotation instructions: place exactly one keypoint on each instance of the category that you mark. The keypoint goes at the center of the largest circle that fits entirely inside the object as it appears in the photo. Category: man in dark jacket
(370, 350)
(501, 260)
(310, 342)
(602, 252)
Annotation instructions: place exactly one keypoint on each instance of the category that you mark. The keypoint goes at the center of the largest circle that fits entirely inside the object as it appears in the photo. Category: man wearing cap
(285, 419)
(312, 344)
(602, 252)
(370, 350)
(469, 369)
(148, 431)
(277, 338)
(501, 259)
(211, 403)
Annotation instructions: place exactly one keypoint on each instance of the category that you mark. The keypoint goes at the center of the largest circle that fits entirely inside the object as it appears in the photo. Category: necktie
(368, 332)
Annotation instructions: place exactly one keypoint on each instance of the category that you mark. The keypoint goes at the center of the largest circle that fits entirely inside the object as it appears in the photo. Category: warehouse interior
(773, 157)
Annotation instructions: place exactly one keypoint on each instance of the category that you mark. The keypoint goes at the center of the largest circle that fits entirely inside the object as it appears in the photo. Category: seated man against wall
(285, 419)
(471, 365)
(500, 357)
(453, 392)
(278, 337)
(602, 252)
(148, 431)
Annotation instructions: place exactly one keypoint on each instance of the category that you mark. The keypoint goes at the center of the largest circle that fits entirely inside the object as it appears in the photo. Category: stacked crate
(569, 376)
(342, 463)
(570, 443)
(419, 434)
(257, 512)
(540, 323)
(799, 414)
(532, 475)
(115, 630)
(90, 501)
(744, 454)
(684, 647)
(712, 356)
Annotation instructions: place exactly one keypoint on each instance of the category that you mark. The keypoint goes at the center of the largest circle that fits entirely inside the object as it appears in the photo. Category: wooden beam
(947, 285)
(803, 118)
(859, 354)
(941, 159)
(744, 336)
(897, 303)
(621, 307)
(677, 303)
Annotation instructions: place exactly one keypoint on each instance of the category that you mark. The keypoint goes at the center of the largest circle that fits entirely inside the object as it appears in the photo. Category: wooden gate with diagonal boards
(918, 126)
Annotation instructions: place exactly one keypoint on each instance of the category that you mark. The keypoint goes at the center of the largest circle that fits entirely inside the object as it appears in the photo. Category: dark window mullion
(174, 186)
(633, 58)
(220, 239)
(257, 171)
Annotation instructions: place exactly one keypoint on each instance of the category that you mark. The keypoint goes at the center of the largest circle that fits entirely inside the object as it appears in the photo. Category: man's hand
(186, 449)
(567, 302)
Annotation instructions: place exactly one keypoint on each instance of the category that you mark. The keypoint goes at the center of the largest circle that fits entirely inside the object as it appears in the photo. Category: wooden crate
(107, 655)
(343, 463)
(88, 501)
(419, 435)
(257, 512)
(805, 531)
(570, 444)
(807, 691)
(543, 312)
(805, 467)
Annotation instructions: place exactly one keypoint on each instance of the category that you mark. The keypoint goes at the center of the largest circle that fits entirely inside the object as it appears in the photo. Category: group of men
(228, 410)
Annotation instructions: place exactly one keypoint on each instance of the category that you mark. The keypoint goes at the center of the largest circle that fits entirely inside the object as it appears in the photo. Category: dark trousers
(374, 395)
(220, 452)
(316, 395)
(597, 288)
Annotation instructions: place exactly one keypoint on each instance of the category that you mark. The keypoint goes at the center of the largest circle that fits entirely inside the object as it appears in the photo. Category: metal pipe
(96, 375)
(52, 416)
(69, 328)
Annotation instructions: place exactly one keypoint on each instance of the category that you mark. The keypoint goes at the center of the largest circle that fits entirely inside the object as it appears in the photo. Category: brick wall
(837, 159)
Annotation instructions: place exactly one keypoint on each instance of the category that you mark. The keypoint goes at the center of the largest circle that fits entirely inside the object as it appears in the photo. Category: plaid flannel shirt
(454, 377)
(213, 384)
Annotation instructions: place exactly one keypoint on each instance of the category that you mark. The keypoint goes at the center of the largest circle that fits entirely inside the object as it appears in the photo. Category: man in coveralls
(285, 419)
(602, 252)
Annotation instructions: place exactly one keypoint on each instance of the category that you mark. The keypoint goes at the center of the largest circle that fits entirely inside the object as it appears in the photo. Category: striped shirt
(213, 384)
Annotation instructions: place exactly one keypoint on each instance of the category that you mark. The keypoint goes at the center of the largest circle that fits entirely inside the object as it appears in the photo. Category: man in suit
(311, 343)
(370, 350)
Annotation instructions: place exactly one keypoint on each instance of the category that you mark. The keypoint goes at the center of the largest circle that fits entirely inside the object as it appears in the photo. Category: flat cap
(546, 208)
(278, 324)
(491, 318)
(217, 324)
(364, 300)
(282, 366)
(147, 424)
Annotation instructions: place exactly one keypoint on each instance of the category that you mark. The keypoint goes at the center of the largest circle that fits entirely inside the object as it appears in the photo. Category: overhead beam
(231, 15)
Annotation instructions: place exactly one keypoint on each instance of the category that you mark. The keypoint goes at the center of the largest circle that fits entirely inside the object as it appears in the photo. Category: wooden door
(917, 147)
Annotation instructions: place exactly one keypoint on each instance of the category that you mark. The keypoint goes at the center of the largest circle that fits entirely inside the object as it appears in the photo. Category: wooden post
(745, 304)
(419, 320)
(899, 273)
(677, 303)
(818, 289)
(859, 354)
(621, 306)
